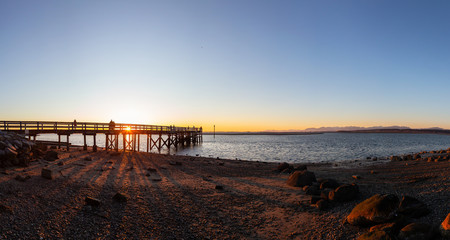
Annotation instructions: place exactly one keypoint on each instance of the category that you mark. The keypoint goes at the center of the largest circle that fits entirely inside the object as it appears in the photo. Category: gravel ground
(180, 201)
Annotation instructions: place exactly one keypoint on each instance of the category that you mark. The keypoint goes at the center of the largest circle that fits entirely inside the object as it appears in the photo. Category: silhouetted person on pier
(74, 124)
(112, 125)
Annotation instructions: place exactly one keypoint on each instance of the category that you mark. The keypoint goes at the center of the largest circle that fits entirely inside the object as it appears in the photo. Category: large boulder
(283, 166)
(374, 210)
(412, 207)
(444, 228)
(416, 231)
(344, 193)
(301, 178)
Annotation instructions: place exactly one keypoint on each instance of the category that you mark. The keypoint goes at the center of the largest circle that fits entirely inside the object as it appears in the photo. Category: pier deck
(166, 136)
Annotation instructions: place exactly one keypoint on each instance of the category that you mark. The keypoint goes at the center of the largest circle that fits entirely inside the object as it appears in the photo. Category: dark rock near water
(315, 198)
(22, 178)
(311, 190)
(301, 178)
(322, 204)
(396, 158)
(344, 193)
(219, 187)
(416, 231)
(325, 194)
(283, 166)
(329, 183)
(374, 210)
(300, 168)
(412, 207)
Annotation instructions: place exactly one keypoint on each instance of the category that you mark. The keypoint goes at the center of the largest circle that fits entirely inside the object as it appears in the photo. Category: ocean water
(327, 147)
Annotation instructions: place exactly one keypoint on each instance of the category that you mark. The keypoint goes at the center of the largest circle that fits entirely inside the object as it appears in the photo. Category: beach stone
(151, 169)
(287, 170)
(51, 155)
(407, 157)
(390, 228)
(219, 187)
(329, 183)
(344, 193)
(412, 207)
(396, 158)
(356, 177)
(23, 178)
(374, 159)
(283, 166)
(156, 179)
(416, 231)
(87, 159)
(46, 173)
(322, 204)
(120, 197)
(326, 193)
(301, 178)
(417, 156)
(375, 235)
(444, 228)
(374, 210)
(92, 201)
(300, 168)
(311, 190)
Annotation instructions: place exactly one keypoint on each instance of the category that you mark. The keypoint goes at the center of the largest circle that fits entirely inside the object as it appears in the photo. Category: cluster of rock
(391, 218)
(432, 156)
(15, 149)
(323, 191)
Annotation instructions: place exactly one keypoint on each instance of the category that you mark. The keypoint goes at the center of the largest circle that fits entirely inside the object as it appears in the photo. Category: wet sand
(180, 201)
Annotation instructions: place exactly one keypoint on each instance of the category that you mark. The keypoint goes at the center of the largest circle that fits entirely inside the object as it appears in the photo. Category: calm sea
(299, 148)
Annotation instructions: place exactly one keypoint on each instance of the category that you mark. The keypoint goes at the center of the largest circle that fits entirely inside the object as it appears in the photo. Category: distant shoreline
(405, 131)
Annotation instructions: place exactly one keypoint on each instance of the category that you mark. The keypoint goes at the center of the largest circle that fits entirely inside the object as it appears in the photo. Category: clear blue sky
(241, 65)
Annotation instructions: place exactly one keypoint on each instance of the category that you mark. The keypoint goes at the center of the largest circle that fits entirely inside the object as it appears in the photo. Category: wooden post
(124, 142)
(160, 138)
(106, 141)
(117, 142)
(59, 141)
(68, 144)
(147, 142)
(139, 142)
(85, 144)
(94, 148)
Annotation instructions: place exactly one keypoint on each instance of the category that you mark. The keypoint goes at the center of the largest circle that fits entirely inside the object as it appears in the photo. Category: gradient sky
(241, 65)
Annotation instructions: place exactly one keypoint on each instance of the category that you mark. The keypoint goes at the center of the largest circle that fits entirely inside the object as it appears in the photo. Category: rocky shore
(58, 194)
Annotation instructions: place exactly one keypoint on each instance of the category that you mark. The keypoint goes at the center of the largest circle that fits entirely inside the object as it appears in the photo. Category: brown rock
(283, 166)
(120, 197)
(375, 235)
(301, 178)
(92, 201)
(346, 192)
(329, 183)
(412, 207)
(23, 178)
(314, 199)
(51, 155)
(219, 187)
(390, 228)
(416, 231)
(444, 228)
(322, 204)
(47, 173)
(374, 210)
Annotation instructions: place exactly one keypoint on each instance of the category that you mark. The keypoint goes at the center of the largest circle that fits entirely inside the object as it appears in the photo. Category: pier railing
(46, 126)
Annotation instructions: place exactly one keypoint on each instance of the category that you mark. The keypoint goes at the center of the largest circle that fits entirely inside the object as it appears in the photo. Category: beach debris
(120, 197)
(301, 178)
(344, 193)
(444, 228)
(92, 201)
(22, 178)
(412, 207)
(51, 155)
(375, 235)
(219, 187)
(416, 231)
(356, 177)
(328, 183)
(374, 210)
(46, 173)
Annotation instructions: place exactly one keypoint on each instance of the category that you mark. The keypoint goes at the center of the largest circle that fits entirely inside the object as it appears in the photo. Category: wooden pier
(158, 137)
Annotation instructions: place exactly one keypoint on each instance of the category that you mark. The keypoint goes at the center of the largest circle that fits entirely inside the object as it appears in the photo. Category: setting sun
(128, 128)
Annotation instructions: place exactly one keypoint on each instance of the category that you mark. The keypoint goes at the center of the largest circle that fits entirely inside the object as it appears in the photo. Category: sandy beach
(183, 197)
